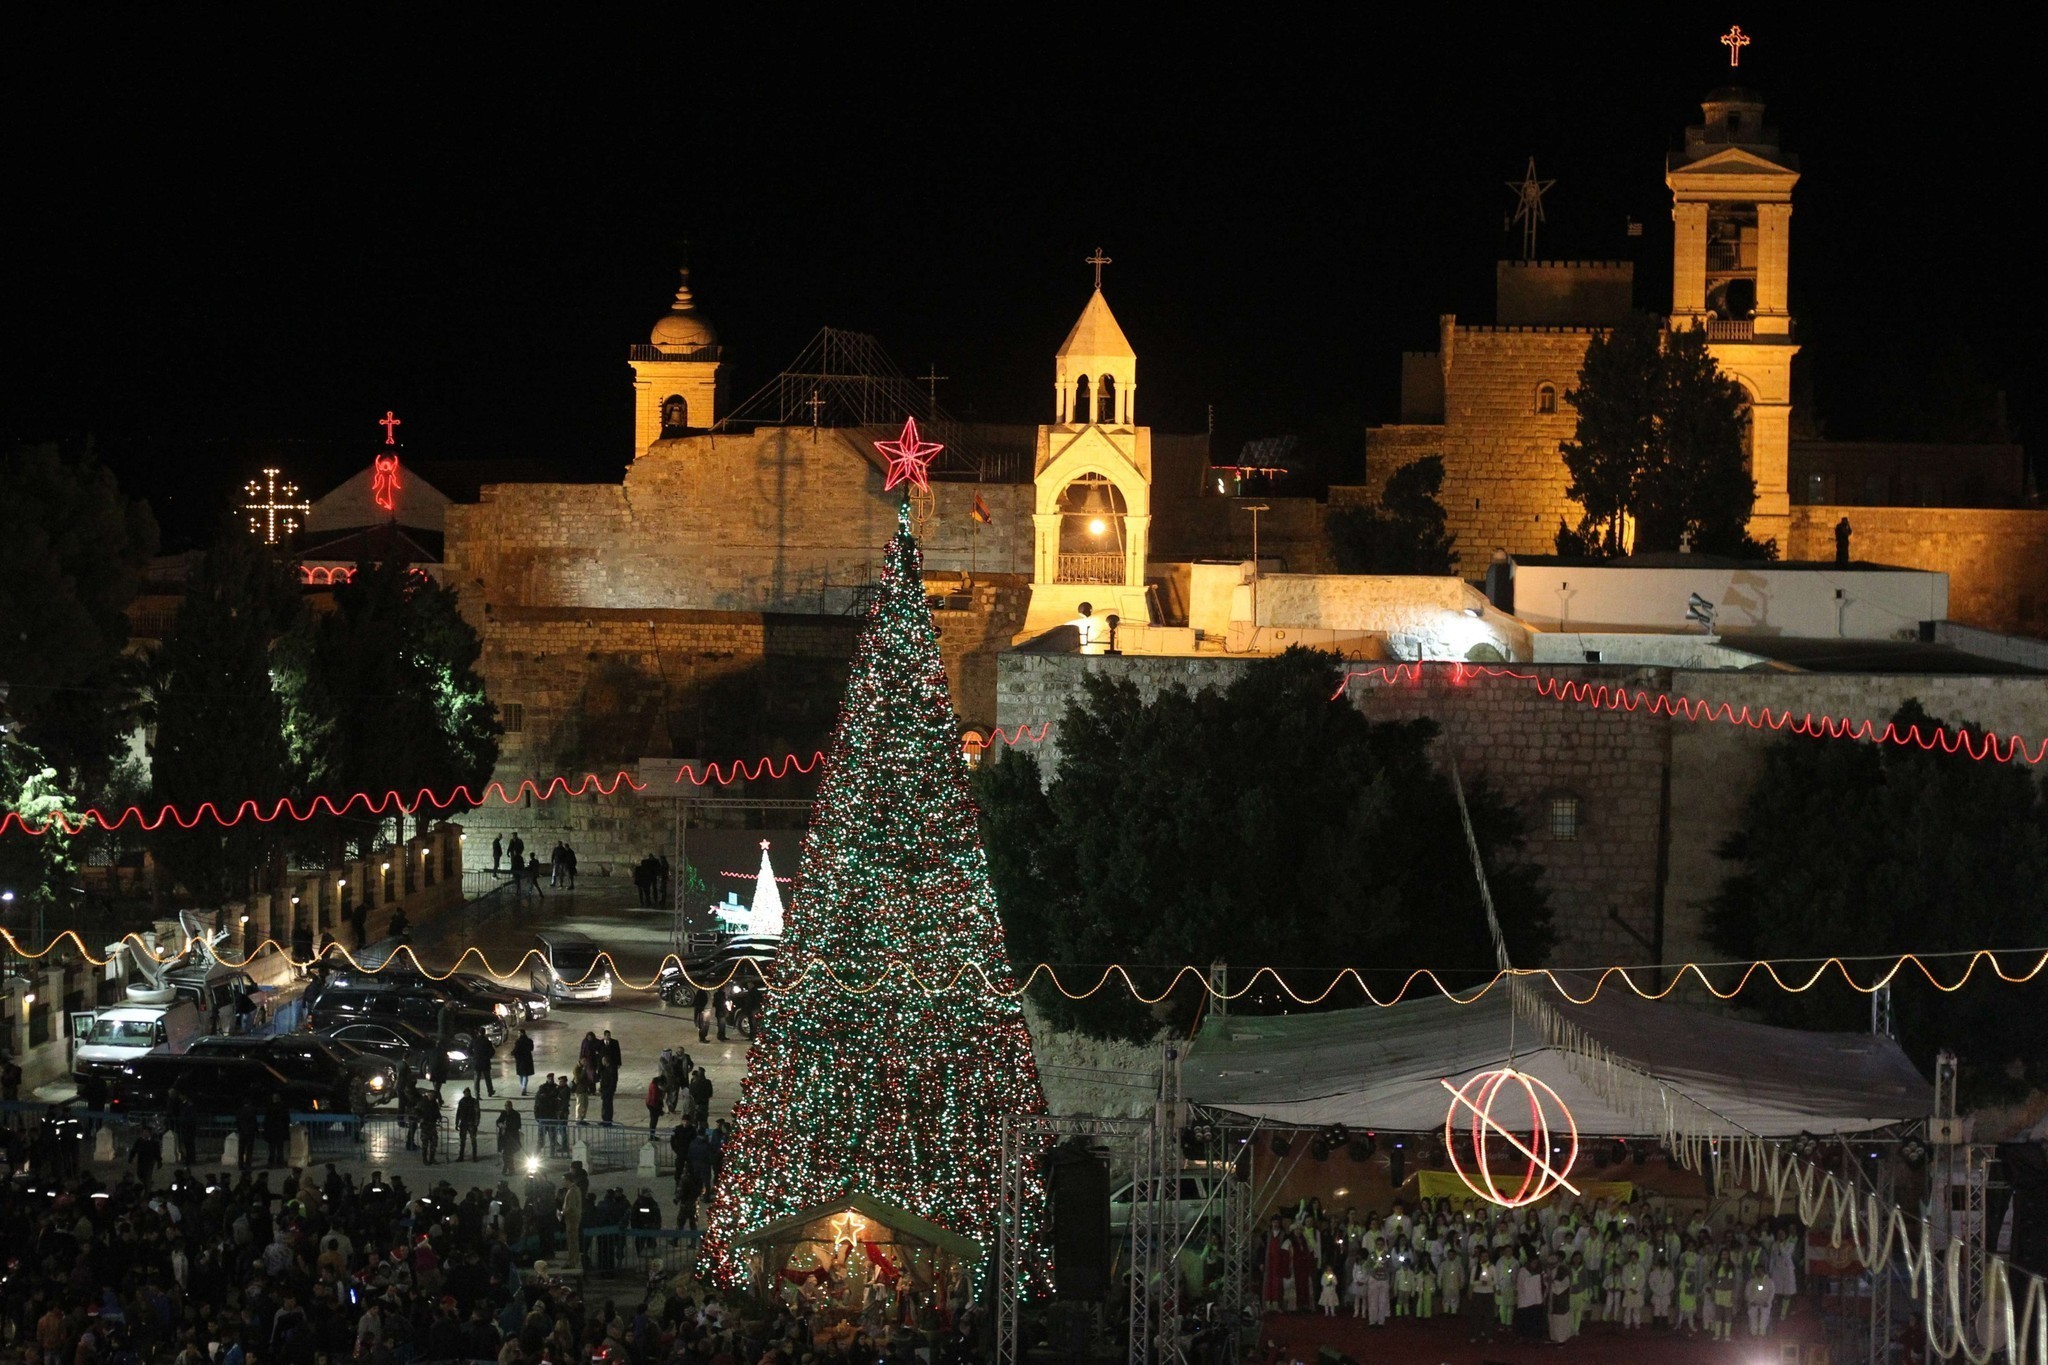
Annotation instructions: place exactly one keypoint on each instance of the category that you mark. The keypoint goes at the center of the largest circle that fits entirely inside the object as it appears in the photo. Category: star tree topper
(908, 456)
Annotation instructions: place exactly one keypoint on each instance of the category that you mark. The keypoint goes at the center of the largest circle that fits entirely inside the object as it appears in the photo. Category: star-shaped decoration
(908, 456)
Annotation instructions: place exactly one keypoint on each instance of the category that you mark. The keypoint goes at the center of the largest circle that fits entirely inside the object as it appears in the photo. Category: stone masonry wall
(1504, 484)
(1603, 884)
(1526, 747)
(1996, 559)
(780, 519)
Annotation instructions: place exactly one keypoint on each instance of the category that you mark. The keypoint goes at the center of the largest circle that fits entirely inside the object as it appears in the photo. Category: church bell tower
(677, 387)
(1731, 193)
(1092, 507)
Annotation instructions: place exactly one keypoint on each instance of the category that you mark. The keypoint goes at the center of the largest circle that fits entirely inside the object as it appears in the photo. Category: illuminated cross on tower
(391, 422)
(1098, 260)
(272, 513)
(1735, 40)
(931, 378)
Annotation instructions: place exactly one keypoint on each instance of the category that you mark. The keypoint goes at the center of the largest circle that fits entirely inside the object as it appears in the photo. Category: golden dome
(683, 328)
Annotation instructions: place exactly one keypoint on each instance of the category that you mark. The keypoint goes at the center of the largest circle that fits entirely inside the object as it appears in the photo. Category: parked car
(192, 1001)
(383, 967)
(566, 966)
(741, 962)
(311, 1056)
(436, 1013)
(217, 1085)
(1201, 1198)
(396, 1041)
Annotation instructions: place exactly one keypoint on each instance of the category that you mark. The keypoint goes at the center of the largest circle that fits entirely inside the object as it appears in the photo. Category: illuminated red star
(908, 456)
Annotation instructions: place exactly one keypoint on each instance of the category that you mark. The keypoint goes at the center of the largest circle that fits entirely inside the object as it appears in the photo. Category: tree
(898, 1094)
(382, 694)
(1262, 823)
(1659, 444)
(1852, 848)
(36, 871)
(72, 555)
(1405, 533)
(219, 718)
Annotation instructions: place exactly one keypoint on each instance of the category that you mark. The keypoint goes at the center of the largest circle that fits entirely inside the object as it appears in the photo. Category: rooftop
(1873, 656)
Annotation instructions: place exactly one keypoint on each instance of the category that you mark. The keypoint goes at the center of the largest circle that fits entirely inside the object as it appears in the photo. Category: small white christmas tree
(765, 919)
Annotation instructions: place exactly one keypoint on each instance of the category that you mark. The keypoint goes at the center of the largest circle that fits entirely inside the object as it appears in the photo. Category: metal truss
(1026, 1139)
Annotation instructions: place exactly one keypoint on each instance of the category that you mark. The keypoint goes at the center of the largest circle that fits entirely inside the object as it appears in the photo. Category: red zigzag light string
(1982, 746)
(1606, 697)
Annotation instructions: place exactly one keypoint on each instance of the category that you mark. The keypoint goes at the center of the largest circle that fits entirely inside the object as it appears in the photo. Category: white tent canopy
(1382, 1068)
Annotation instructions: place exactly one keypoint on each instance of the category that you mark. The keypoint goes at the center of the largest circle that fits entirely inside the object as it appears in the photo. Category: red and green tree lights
(898, 1094)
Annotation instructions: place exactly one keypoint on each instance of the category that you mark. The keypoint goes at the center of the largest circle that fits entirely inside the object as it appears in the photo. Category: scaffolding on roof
(845, 380)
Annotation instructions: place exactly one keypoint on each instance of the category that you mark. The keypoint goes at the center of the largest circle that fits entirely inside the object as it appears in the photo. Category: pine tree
(898, 1094)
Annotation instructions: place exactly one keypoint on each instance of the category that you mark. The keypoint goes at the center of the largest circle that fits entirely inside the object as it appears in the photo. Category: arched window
(1081, 401)
(675, 415)
(1105, 400)
(1546, 398)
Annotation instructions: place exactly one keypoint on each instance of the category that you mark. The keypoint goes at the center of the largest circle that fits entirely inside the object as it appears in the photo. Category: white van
(192, 1001)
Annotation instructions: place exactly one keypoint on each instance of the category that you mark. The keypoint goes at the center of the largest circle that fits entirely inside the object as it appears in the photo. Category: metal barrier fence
(374, 1138)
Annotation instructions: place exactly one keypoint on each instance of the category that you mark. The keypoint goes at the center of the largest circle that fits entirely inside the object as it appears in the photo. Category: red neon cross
(390, 421)
(1735, 40)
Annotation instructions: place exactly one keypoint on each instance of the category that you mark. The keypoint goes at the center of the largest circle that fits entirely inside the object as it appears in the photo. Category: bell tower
(1731, 209)
(1092, 509)
(677, 387)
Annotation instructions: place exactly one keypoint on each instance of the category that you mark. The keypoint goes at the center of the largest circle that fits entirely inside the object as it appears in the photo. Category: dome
(683, 327)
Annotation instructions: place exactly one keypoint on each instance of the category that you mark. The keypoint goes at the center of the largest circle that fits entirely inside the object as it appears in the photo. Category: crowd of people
(1540, 1272)
(229, 1268)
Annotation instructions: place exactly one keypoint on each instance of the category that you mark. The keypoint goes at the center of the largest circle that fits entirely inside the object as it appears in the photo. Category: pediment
(1733, 161)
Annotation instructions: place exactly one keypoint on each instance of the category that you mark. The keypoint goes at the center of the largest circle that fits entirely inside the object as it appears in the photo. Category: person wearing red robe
(1279, 1264)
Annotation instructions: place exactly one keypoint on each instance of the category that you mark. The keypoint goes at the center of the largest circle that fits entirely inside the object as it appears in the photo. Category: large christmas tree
(899, 1093)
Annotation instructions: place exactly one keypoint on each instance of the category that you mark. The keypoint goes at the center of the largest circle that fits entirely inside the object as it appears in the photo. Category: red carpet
(1441, 1341)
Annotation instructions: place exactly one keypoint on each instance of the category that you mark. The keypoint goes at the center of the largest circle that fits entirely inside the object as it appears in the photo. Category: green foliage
(219, 717)
(381, 693)
(897, 1093)
(1848, 848)
(1660, 442)
(1405, 533)
(36, 869)
(1263, 824)
(72, 554)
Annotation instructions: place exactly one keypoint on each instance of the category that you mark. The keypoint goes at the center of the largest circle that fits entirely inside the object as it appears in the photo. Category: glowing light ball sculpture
(1472, 1107)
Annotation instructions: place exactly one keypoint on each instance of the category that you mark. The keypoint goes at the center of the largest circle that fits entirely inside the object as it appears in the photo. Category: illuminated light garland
(897, 973)
(1607, 697)
(1981, 746)
(285, 808)
(1542, 1178)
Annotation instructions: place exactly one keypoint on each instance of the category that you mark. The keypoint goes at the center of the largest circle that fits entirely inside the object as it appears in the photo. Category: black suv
(384, 967)
(372, 1081)
(395, 1041)
(432, 1012)
(217, 1085)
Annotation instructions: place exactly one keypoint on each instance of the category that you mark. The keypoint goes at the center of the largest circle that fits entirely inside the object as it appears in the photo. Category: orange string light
(901, 972)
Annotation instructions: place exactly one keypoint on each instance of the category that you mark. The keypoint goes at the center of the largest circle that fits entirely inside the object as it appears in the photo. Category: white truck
(165, 1010)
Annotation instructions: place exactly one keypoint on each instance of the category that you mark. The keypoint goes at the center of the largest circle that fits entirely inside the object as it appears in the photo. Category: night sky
(233, 245)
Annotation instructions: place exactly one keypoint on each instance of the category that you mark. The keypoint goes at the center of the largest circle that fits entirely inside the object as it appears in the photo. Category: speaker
(1079, 1184)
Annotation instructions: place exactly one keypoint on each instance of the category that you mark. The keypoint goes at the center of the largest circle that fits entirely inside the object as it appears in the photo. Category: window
(1564, 816)
(1546, 398)
(512, 715)
(1081, 401)
(1105, 401)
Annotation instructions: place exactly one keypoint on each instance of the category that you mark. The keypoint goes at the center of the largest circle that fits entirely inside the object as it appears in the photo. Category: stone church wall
(1642, 780)
(1525, 746)
(1504, 484)
(780, 519)
(1996, 559)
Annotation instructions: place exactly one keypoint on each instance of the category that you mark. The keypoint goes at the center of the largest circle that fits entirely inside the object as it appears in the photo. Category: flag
(981, 512)
(1635, 229)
